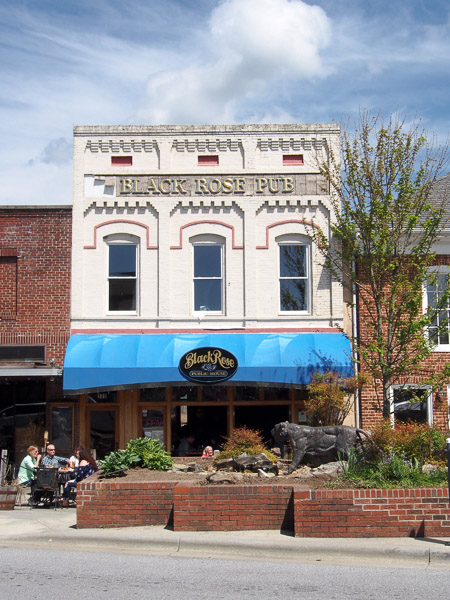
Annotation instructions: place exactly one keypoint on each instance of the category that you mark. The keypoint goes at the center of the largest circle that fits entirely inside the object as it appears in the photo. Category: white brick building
(188, 237)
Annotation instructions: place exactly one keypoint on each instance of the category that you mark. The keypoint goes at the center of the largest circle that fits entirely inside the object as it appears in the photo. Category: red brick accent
(372, 513)
(309, 513)
(35, 265)
(231, 507)
(124, 504)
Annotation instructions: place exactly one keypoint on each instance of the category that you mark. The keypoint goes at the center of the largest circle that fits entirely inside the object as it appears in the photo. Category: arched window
(208, 276)
(294, 285)
(122, 276)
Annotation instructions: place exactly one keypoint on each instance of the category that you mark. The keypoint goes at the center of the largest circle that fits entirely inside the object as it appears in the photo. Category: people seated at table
(53, 461)
(87, 466)
(75, 458)
(28, 467)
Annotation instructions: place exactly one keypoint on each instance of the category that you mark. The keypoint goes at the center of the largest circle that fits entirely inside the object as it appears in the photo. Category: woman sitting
(28, 467)
(87, 466)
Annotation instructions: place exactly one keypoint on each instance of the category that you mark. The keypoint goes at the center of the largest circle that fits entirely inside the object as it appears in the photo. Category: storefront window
(271, 394)
(153, 424)
(184, 394)
(153, 395)
(62, 428)
(245, 394)
(214, 393)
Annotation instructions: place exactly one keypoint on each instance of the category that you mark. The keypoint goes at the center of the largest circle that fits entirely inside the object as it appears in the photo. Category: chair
(46, 488)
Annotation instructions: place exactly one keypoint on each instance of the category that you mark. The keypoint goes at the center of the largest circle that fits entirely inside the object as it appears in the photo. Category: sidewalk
(40, 526)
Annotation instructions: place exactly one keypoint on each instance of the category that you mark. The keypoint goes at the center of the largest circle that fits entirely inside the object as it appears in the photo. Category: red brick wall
(310, 513)
(124, 504)
(372, 513)
(231, 507)
(371, 397)
(35, 251)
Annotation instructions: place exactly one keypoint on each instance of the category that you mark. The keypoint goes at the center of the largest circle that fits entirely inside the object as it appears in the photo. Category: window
(294, 277)
(122, 277)
(208, 160)
(434, 301)
(292, 160)
(208, 278)
(123, 161)
(410, 403)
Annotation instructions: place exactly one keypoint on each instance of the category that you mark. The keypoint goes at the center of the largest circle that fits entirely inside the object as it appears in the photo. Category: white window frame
(439, 270)
(306, 278)
(221, 245)
(405, 386)
(122, 242)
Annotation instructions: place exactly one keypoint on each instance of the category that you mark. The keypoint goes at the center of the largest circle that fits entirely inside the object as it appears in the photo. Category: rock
(226, 464)
(252, 463)
(262, 473)
(221, 477)
(180, 467)
(333, 469)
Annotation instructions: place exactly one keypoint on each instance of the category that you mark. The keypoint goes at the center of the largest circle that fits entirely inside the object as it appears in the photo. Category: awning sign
(208, 365)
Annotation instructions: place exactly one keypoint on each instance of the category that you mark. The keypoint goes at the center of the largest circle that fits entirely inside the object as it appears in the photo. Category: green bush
(244, 440)
(141, 452)
(414, 441)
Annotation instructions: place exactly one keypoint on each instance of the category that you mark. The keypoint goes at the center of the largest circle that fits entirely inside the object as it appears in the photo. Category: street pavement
(34, 527)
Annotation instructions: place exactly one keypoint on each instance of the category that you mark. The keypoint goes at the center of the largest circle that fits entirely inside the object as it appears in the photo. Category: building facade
(35, 259)
(199, 300)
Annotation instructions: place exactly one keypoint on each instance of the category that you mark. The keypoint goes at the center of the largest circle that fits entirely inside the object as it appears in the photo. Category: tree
(383, 231)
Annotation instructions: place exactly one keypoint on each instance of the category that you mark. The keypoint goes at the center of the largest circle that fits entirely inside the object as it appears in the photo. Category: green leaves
(141, 452)
(382, 240)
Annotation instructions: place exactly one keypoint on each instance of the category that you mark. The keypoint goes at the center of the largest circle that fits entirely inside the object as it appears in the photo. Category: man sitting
(51, 460)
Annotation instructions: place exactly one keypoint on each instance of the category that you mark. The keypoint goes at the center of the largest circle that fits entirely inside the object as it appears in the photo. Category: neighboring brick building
(189, 238)
(434, 406)
(35, 250)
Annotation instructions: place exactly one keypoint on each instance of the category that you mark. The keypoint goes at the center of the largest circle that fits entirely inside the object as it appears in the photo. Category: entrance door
(102, 430)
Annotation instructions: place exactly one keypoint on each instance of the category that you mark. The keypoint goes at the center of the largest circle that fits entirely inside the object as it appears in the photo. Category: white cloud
(249, 46)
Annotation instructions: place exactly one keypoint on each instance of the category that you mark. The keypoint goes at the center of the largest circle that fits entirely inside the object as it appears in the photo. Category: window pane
(293, 261)
(208, 294)
(122, 294)
(293, 294)
(410, 405)
(122, 260)
(207, 261)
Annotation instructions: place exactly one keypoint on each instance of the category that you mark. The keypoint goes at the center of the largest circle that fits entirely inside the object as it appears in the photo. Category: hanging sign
(208, 365)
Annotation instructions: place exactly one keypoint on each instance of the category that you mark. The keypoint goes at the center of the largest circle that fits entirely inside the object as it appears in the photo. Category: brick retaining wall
(372, 513)
(308, 513)
(124, 504)
(232, 507)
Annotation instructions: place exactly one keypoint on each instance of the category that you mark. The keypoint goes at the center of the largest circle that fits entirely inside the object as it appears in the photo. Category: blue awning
(107, 362)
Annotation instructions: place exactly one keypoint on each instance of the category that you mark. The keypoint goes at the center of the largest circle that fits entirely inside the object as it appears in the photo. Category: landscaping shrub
(244, 440)
(330, 397)
(395, 458)
(141, 452)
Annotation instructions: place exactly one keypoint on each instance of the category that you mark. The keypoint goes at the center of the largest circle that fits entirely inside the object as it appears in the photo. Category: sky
(156, 62)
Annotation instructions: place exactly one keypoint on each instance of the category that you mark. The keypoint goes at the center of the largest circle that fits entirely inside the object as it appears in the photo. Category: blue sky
(85, 62)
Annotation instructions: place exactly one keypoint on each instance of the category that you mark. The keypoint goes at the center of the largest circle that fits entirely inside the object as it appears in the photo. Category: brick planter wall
(124, 504)
(309, 513)
(232, 507)
(372, 513)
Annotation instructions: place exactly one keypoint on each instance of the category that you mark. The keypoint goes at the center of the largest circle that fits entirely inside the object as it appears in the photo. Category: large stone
(221, 477)
(252, 463)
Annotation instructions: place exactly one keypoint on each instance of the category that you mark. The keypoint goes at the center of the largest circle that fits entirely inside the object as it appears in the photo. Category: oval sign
(208, 365)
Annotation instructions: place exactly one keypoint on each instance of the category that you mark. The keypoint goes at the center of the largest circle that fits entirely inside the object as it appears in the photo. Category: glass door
(102, 430)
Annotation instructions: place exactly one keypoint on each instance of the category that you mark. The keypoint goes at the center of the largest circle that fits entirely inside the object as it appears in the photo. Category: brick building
(35, 251)
(410, 398)
(199, 302)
